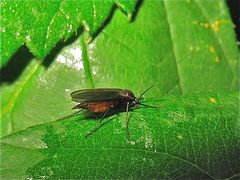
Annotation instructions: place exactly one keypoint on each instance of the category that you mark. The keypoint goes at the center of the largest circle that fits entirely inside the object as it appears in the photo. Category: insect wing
(90, 95)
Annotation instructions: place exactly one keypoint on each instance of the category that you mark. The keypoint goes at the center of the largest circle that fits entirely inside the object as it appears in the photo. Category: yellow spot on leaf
(217, 60)
(206, 25)
(212, 49)
(194, 48)
(215, 26)
(212, 100)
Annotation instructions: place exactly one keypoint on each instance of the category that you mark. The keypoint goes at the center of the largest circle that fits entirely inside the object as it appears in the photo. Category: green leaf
(194, 53)
(40, 25)
(186, 47)
(189, 137)
(122, 55)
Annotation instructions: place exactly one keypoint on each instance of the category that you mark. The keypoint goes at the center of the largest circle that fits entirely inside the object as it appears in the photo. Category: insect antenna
(127, 119)
(149, 105)
(143, 94)
(139, 86)
(146, 91)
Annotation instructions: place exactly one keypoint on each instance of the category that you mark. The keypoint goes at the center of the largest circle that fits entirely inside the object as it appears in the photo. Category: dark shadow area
(52, 55)
(104, 24)
(138, 5)
(110, 16)
(60, 45)
(15, 66)
(234, 7)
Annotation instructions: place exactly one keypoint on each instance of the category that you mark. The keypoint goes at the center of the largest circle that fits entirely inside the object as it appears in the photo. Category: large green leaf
(184, 46)
(122, 55)
(40, 25)
(189, 137)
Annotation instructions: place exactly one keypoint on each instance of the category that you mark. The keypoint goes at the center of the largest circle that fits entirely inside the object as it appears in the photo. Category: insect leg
(98, 124)
(104, 115)
(78, 106)
(75, 113)
(127, 119)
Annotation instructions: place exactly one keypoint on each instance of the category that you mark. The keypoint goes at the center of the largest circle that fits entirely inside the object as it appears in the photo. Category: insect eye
(124, 94)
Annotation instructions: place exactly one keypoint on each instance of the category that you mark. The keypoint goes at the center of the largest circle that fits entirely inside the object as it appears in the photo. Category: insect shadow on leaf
(104, 102)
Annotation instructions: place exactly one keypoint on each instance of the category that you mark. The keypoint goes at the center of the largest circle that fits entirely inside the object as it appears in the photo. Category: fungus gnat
(104, 101)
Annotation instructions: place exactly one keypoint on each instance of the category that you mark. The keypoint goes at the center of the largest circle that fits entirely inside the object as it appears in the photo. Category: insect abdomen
(99, 107)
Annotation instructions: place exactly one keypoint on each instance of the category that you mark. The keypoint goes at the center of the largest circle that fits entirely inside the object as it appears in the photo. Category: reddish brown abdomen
(99, 107)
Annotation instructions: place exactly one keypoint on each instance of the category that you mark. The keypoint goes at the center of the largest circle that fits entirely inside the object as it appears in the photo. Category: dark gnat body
(104, 100)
